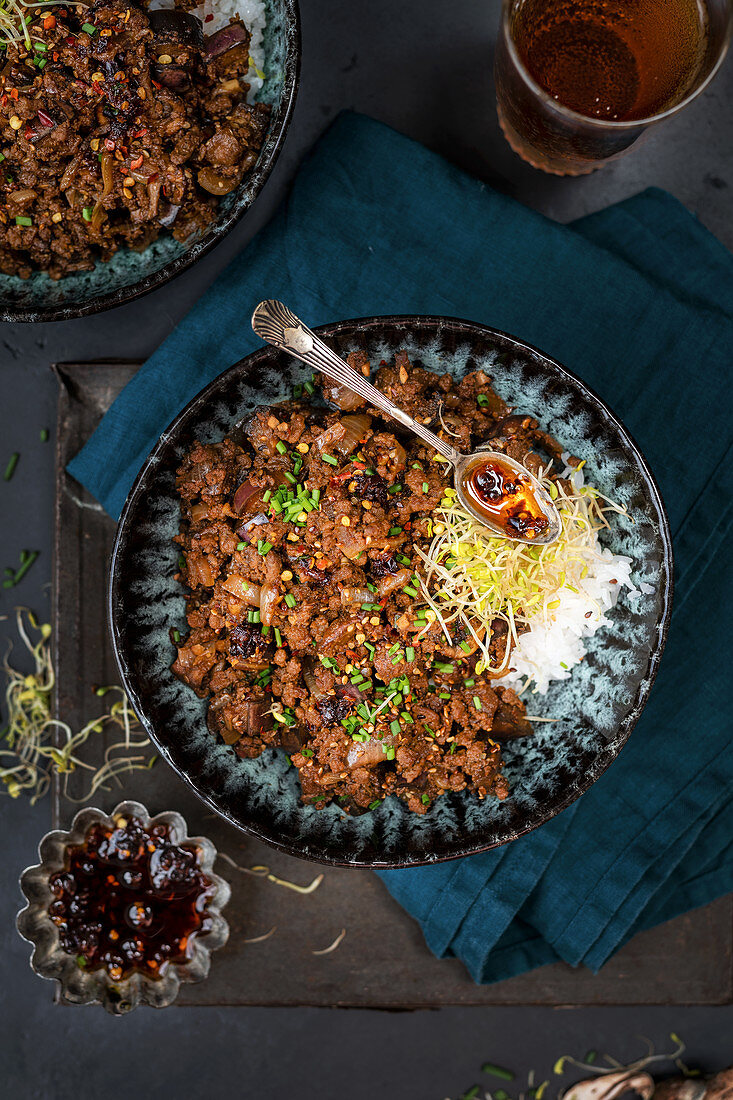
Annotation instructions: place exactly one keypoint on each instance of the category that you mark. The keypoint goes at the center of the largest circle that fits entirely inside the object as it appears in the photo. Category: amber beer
(612, 62)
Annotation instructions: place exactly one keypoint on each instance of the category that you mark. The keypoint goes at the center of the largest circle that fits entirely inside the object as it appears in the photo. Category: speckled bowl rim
(604, 759)
(49, 960)
(255, 180)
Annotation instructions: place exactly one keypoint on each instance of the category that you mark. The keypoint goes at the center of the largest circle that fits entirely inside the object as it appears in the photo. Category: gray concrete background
(399, 61)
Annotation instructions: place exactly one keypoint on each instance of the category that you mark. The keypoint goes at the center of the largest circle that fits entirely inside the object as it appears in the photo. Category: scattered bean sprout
(38, 746)
(473, 578)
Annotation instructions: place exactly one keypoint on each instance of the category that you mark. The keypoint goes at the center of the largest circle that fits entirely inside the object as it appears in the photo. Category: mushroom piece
(176, 26)
(216, 183)
(225, 39)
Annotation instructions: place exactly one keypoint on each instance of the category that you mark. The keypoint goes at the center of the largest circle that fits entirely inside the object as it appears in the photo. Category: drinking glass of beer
(579, 81)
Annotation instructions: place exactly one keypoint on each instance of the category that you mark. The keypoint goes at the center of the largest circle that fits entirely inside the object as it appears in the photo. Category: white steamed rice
(215, 14)
(554, 643)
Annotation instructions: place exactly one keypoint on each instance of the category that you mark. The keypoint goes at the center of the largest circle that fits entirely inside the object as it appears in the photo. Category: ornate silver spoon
(495, 489)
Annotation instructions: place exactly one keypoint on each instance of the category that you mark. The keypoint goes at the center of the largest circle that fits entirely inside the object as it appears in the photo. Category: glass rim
(610, 124)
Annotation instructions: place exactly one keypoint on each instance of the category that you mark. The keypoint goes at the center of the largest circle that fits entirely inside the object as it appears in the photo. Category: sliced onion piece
(356, 427)
(242, 495)
(354, 597)
(243, 589)
(269, 596)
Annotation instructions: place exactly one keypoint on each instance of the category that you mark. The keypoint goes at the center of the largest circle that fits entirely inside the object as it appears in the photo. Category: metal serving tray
(382, 961)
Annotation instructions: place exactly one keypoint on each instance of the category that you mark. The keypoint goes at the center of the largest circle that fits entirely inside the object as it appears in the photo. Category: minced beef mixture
(117, 124)
(309, 628)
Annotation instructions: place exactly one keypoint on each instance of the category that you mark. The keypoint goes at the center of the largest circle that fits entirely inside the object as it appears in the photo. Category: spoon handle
(274, 323)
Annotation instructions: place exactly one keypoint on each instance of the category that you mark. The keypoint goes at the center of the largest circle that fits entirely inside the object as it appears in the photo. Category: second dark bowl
(129, 274)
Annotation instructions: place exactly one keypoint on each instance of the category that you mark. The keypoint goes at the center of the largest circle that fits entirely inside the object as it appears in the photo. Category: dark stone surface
(400, 63)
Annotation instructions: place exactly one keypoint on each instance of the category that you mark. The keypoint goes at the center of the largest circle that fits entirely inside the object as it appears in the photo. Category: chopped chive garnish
(465, 647)
(290, 477)
(20, 220)
(443, 667)
(391, 752)
(10, 468)
(87, 213)
(444, 695)
(425, 800)
(241, 545)
(410, 591)
(176, 636)
(373, 805)
(309, 387)
(497, 1071)
(330, 460)
(410, 654)
(27, 559)
(278, 638)
(266, 496)
(44, 435)
(425, 487)
(469, 683)
(395, 489)
(482, 399)
(394, 531)
(394, 726)
(280, 447)
(316, 496)
(477, 703)
(290, 599)
(89, 28)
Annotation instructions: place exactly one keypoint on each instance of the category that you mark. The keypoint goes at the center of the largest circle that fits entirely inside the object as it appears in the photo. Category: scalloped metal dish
(604, 697)
(128, 275)
(79, 986)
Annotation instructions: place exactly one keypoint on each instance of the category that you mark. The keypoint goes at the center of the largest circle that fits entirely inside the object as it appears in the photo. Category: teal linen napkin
(637, 300)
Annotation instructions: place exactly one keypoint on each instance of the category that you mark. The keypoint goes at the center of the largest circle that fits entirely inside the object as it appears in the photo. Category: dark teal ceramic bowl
(594, 711)
(130, 274)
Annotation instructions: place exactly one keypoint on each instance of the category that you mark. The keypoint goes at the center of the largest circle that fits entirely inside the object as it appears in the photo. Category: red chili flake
(14, 93)
(140, 133)
(152, 178)
(49, 22)
(3, 101)
(137, 161)
(28, 133)
(45, 120)
(70, 40)
(208, 18)
(109, 145)
(155, 83)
